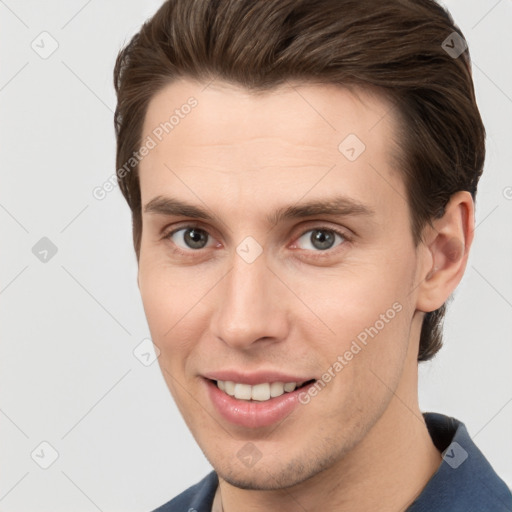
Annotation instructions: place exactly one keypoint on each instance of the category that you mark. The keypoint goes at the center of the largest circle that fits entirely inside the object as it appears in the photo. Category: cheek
(356, 301)
(368, 312)
(170, 300)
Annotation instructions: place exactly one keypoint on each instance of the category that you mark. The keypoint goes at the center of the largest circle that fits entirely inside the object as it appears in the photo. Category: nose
(250, 306)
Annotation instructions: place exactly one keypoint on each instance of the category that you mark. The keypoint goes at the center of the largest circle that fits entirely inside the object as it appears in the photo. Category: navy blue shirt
(464, 482)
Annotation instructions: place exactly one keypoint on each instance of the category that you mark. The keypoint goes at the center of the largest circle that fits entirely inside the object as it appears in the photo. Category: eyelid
(168, 231)
(210, 240)
(186, 256)
(344, 233)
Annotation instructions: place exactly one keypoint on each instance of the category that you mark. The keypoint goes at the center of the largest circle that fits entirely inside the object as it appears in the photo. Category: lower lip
(254, 414)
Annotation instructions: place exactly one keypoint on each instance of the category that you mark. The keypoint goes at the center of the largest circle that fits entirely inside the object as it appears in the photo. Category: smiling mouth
(259, 392)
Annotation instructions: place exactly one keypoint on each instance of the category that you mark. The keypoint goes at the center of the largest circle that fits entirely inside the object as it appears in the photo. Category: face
(277, 271)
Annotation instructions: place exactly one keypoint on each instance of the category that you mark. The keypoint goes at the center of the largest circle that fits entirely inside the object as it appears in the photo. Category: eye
(319, 239)
(190, 238)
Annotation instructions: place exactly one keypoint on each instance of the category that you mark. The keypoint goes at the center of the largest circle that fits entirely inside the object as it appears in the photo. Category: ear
(445, 251)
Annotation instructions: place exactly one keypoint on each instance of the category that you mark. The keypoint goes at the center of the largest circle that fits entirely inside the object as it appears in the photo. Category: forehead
(246, 144)
(326, 111)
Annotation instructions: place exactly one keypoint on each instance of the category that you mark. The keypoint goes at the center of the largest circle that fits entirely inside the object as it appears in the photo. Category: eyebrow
(339, 206)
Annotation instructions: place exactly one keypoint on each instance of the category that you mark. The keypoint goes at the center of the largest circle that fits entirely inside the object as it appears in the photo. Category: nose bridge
(249, 308)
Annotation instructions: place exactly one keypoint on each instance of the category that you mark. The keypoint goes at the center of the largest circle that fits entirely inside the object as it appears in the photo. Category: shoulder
(198, 498)
(465, 481)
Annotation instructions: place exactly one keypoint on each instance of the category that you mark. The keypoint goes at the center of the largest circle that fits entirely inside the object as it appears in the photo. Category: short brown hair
(395, 46)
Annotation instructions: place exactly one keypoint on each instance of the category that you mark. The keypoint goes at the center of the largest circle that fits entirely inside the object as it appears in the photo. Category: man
(302, 178)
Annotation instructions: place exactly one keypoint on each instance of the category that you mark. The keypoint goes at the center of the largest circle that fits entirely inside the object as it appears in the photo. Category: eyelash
(319, 254)
(315, 254)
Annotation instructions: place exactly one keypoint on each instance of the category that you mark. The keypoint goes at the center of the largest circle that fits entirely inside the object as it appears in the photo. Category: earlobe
(448, 244)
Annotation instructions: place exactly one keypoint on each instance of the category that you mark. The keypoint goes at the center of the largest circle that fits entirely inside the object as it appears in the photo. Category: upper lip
(254, 378)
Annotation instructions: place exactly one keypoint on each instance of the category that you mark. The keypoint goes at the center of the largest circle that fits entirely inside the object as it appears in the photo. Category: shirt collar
(465, 481)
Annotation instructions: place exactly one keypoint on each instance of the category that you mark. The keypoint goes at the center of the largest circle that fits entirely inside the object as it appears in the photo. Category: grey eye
(190, 238)
(319, 239)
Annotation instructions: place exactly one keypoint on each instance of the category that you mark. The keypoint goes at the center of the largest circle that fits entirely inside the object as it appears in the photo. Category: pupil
(195, 238)
(322, 239)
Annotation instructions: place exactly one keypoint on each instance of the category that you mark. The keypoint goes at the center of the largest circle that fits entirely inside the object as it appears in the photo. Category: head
(301, 177)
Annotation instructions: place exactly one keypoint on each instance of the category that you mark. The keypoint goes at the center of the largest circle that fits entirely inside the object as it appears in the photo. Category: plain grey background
(70, 322)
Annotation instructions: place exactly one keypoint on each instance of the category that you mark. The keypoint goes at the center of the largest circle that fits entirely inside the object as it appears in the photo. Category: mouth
(256, 405)
(262, 392)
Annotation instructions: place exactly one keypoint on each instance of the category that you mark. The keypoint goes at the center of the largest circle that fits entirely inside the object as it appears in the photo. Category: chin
(273, 475)
(262, 479)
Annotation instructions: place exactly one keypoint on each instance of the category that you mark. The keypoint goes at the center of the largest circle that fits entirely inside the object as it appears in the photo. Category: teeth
(276, 389)
(243, 391)
(229, 387)
(290, 386)
(258, 392)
